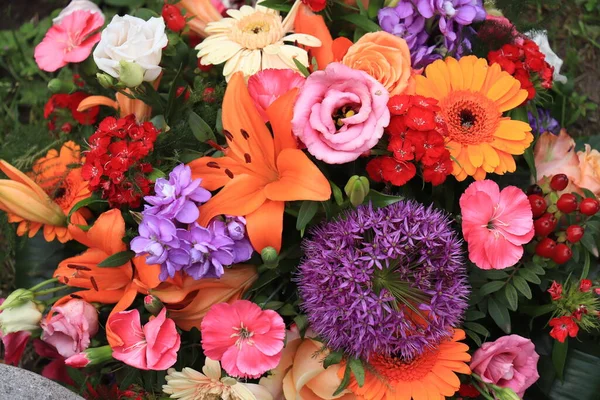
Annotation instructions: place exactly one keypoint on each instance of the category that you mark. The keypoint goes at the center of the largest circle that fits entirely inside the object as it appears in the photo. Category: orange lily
(259, 172)
(202, 12)
(123, 104)
(47, 195)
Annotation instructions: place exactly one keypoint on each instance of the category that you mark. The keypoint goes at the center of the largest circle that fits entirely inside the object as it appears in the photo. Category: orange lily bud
(202, 11)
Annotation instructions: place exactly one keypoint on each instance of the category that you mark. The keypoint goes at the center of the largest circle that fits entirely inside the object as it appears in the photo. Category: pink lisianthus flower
(246, 339)
(496, 224)
(69, 41)
(340, 113)
(71, 327)
(509, 362)
(153, 346)
(268, 85)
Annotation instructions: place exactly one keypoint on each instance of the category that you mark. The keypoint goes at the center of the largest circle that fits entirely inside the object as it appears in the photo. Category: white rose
(25, 317)
(76, 5)
(541, 39)
(133, 40)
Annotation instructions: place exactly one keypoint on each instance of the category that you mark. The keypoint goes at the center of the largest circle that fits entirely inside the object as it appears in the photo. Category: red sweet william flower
(429, 146)
(399, 105)
(173, 18)
(579, 312)
(397, 173)
(555, 290)
(585, 285)
(375, 169)
(402, 149)
(420, 119)
(397, 126)
(437, 173)
(563, 327)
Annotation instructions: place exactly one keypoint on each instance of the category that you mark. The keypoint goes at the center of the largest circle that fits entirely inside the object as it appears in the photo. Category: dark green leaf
(475, 327)
(495, 274)
(337, 193)
(522, 286)
(36, 259)
(374, 7)
(581, 378)
(587, 240)
(362, 22)
(125, 3)
(594, 225)
(586, 266)
(308, 209)
(378, 199)
(302, 323)
(511, 296)
(145, 13)
(474, 337)
(538, 310)
(201, 130)
(278, 5)
(500, 315)
(358, 370)
(333, 358)
(559, 356)
(302, 68)
(345, 381)
(491, 287)
(287, 310)
(219, 122)
(84, 203)
(474, 315)
(118, 259)
(536, 268)
(530, 276)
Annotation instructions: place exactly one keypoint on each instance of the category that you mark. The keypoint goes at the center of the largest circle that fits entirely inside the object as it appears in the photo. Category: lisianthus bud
(105, 80)
(24, 317)
(152, 304)
(92, 356)
(357, 189)
(17, 298)
(59, 86)
(269, 255)
(131, 74)
(506, 394)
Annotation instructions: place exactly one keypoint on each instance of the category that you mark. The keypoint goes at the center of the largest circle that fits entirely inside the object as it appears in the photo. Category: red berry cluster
(415, 138)
(61, 109)
(555, 240)
(173, 18)
(114, 164)
(522, 60)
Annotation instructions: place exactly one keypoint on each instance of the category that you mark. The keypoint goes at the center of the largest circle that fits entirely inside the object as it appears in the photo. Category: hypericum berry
(559, 182)
(545, 248)
(562, 253)
(538, 205)
(545, 224)
(534, 189)
(574, 233)
(589, 206)
(567, 203)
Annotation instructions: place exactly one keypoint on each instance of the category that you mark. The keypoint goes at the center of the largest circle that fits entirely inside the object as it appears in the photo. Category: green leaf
(522, 286)
(537, 311)
(586, 266)
(84, 203)
(287, 310)
(581, 378)
(219, 122)
(536, 268)
(308, 209)
(474, 315)
(337, 193)
(125, 3)
(587, 240)
(491, 287)
(499, 314)
(475, 327)
(374, 7)
(495, 274)
(362, 22)
(559, 357)
(276, 5)
(145, 13)
(530, 276)
(358, 370)
(333, 358)
(201, 130)
(474, 337)
(118, 259)
(378, 199)
(302, 324)
(511, 296)
(302, 68)
(345, 381)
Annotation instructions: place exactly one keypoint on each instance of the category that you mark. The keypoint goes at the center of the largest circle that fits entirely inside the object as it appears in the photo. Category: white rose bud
(25, 317)
(133, 40)
(77, 5)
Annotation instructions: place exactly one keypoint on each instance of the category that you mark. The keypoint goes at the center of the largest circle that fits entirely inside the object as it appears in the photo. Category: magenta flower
(268, 85)
(69, 41)
(496, 224)
(247, 340)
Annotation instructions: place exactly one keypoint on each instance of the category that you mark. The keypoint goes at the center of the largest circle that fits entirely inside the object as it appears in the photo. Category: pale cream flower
(190, 384)
(254, 39)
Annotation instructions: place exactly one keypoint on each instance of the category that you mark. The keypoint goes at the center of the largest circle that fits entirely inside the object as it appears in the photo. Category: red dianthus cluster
(62, 107)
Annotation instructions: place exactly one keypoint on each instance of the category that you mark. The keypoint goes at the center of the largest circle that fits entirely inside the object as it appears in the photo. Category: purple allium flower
(544, 122)
(177, 197)
(361, 270)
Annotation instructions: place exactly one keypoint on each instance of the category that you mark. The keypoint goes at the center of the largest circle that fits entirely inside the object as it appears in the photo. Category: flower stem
(42, 284)
(51, 290)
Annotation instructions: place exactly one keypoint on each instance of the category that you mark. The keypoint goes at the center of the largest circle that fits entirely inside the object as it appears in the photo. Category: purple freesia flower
(178, 197)
(210, 250)
(544, 122)
(235, 228)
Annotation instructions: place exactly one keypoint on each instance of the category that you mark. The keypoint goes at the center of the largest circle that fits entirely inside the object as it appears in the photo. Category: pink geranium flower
(153, 346)
(246, 339)
(69, 41)
(495, 224)
(268, 85)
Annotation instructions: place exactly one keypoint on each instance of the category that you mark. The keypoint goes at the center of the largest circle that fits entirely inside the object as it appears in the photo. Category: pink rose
(510, 361)
(556, 155)
(268, 85)
(153, 346)
(340, 113)
(589, 167)
(71, 327)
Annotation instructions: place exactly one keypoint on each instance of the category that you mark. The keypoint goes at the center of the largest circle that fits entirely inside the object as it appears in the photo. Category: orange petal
(202, 12)
(475, 155)
(418, 390)
(311, 24)
(340, 47)
(106, 234)
(456, 74)
(280, 114)
(94, 101)
(479, 174)
(489, 154)
(511, 129)
(466, 65)
(438, 73)
(500, 88)
(426, 87)
(17, 176)
(299, 179)
(265, 225)
(147, 273)
(480, 69)
(216, 175)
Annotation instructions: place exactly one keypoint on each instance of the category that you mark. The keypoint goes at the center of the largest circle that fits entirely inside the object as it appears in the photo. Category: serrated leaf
(302, 68)
(491, 287)
(559, 357)
(500, 315)
(362, 22)
(201, 130)
(530, 276)
(308, 210)
(522, 286)
(478, 328)
(332, 359)
(378, 199)
(511, 296)
(358, 370)
(118, 259)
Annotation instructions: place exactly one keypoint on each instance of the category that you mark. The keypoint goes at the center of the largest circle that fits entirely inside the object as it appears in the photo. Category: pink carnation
(495, 224)
(268, 85)
(340, 113)
(247, 340)
(510, 362)
(69, 41)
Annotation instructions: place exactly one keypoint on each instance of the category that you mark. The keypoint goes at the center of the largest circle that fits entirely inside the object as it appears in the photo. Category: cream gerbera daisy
(254, 39)
(190, 384)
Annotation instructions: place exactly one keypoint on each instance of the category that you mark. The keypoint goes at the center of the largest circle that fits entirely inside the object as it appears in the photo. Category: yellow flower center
(257, 31)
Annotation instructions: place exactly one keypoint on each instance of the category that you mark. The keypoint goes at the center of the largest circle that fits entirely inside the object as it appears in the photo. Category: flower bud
(24, 317)
(17, 298)
(59, 86)
(269, 255)
(131, 74)
(105, 80)
(357, 189)
(92, 356)
(506, 394)
(152, 304)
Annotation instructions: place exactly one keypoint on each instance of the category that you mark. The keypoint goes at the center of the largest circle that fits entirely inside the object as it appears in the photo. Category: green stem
(42, 284)
(51, 290)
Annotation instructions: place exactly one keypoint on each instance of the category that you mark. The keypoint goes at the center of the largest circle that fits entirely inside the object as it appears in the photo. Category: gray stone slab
(20, 384)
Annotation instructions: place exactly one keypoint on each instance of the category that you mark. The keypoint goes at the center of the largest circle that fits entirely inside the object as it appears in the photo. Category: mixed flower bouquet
(304, 200)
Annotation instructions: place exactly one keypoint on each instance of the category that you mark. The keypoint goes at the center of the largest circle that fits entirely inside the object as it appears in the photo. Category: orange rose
(589, 166)
(385, 57)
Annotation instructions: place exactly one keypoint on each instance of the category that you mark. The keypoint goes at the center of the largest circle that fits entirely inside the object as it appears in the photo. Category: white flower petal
(304, 39)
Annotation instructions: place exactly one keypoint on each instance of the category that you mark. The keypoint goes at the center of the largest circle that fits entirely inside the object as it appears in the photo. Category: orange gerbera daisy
(473, 96)
(260, 171)
(432, 375)
(58, 176)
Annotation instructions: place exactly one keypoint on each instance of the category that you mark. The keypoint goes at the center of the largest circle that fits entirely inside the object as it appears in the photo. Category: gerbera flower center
(471, 117)
(257, 31)
(394, 369)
